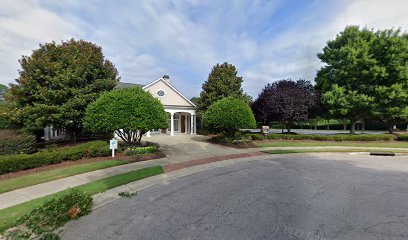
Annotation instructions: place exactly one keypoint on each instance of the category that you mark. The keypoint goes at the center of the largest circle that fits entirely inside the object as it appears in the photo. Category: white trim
(171, 86)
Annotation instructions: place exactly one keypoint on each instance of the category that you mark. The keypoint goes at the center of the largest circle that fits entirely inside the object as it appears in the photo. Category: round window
(160, 93)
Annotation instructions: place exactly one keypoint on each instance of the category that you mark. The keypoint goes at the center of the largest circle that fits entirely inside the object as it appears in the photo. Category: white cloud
(293, 52)
(184, 39)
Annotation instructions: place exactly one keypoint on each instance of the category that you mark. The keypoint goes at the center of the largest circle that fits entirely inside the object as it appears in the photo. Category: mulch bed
(118, 156)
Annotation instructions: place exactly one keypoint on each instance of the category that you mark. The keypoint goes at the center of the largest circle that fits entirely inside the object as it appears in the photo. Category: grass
(288, 151)
(9, 216)
(395, 144)
(46, 176)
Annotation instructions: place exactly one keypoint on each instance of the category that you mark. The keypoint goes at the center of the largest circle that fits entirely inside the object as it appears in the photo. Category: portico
(181, 111)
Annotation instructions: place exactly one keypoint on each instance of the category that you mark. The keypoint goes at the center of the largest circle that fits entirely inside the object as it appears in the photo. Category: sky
(266, 40)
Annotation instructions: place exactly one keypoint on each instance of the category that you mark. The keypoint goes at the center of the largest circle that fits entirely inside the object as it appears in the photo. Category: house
(181, 111)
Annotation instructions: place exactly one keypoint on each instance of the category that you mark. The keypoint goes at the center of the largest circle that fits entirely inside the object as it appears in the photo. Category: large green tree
(223, 81)
(57, 82)
(362, 65)
(390, 49)
(129, 112)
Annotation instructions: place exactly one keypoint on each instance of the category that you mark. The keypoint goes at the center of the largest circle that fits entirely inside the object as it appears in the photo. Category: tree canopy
(129, 112)
(286, 101)
(222, 82)
(228, 115)
(57, 82)
(367, 65)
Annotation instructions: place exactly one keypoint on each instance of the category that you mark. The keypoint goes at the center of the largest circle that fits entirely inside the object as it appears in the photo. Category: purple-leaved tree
(285, 101)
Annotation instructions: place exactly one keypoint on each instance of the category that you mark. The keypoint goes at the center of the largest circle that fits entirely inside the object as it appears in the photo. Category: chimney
(166, 77)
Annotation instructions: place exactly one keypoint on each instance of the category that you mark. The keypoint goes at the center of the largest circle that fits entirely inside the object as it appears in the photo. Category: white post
(148, 134)
(113, 153)
(171, 124)
(192, 124)
(185, 123)
(195, 124)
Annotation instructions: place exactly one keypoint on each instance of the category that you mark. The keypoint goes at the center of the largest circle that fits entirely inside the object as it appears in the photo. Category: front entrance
(183, 123)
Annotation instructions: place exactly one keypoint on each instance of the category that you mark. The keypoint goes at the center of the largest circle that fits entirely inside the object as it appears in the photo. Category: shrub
(132, 110)
(140, 150)
(12, 142)
(14, 163)
(57, 211)
(337, 137)
(402, 137)
(256, 137)
(228, 115)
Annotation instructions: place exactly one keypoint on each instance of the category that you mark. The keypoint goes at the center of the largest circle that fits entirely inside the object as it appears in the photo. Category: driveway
(182, 147)
(296, 196)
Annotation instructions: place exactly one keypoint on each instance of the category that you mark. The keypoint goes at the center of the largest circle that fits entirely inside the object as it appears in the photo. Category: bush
(140, 150)
(228, 115)
(337, 137)
(402, 137)
(14, 163)
(12, 142)
(256, 137)
(57, 211)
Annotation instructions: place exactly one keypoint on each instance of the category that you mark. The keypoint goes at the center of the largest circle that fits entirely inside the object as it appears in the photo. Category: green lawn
(394, 144)
(46, 176)
(9, 215)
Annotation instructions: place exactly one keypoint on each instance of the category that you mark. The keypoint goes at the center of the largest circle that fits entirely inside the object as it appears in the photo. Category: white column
(171, 124)
(185, 123)
(148, 134)
(192, 124)
(195, 124)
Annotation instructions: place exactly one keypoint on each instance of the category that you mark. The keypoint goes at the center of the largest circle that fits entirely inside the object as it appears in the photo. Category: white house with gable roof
(182, 112)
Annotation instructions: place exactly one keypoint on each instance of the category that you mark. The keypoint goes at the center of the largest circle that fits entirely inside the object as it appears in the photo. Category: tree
(390, 49)
(228, 116)
(222, 82)
(286, 101)
(57, 82)
(129, 112)
(368, 65)
(343, 103)
(3, 87)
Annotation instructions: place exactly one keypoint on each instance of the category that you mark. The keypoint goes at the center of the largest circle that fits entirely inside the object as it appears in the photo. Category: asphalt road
(302, 196)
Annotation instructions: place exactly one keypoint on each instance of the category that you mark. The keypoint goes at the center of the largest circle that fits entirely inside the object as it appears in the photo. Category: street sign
(113, 144)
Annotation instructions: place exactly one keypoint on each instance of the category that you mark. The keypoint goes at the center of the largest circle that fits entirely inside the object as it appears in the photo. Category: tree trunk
(391, 128)
(289, 126)
(353, 126)
(344, 126)
(363, 126)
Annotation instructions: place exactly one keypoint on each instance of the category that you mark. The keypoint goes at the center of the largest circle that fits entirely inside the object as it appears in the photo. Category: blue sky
(265, 40)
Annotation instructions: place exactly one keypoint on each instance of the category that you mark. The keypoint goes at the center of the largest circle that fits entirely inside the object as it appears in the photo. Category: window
(160, 93)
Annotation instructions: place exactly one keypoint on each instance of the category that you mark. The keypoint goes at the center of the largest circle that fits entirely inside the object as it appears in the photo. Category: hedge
(14, 163)
(12, 142)
(402, 137)
(337, 137)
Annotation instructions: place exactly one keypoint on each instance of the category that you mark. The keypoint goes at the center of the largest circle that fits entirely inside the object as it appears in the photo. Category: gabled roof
(125, 85)
(171, 86)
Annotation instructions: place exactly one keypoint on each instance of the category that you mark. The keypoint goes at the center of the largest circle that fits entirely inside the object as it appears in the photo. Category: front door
(183, 123)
